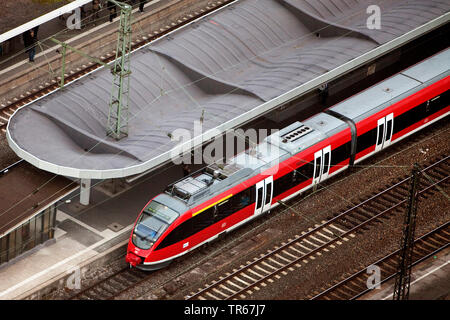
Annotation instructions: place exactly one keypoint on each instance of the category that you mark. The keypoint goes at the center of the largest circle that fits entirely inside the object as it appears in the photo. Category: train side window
(305, 172)
(203, 220)
(252, 193)
(365, 140)
(240, 200)
(281, 184)
(294, 177)
(181, 232)
(225, 208)
(433, 104)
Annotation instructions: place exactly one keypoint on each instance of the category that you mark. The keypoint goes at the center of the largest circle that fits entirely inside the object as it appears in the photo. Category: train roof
(226, 68)
(301, 135)
(277, 147)
(393, 89)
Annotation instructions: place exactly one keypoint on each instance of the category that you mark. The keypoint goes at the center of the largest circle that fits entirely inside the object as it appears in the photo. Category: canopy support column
(85, 191)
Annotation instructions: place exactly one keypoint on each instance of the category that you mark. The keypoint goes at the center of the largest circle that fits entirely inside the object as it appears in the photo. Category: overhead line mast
(117, 126)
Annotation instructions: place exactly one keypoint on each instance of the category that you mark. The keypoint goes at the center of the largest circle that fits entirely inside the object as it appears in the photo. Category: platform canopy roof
(226, 68)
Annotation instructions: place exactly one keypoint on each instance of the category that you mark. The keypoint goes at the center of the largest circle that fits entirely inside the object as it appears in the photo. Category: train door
(322, 161)
(384, 132)
(264, 194)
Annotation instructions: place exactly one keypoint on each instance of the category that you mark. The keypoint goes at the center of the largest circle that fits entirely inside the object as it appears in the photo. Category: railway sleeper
(390, 199)
(119, 284)
(430, 243)
(351, 222)
(436, 240)
(402, 190)
(398, 197)
(435, 174)
(442, 238)
(389, 268)
(351, 289)
(422, 247)
(363, 213)
(359, 282)
(354, 216)
(379, 204)
(111, 290)
(344, 224)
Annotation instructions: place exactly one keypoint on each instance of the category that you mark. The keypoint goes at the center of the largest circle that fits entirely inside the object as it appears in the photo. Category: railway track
(308, 246)
(112, 286)
(25, 99)
(355, 285)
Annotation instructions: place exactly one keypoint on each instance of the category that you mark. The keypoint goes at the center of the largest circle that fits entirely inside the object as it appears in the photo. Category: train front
(152, 224)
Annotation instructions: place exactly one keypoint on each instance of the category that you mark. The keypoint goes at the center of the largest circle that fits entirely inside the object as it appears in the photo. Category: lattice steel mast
(117, 126)
(403, 277)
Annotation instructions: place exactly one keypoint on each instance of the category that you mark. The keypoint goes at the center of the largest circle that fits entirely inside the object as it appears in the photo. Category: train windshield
(154, 219)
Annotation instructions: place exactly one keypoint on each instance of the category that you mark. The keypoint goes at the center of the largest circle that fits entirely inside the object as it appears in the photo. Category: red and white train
(219, 198)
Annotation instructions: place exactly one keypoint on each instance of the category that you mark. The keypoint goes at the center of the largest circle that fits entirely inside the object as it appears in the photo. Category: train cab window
(155, 218)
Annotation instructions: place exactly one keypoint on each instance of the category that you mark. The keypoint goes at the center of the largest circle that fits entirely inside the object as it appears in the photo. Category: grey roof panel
(376, 96)
(431, 68)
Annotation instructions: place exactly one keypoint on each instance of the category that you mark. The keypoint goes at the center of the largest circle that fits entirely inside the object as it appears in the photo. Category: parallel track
(303, 248)
(113, 285)
(8, 111)
(355, 285)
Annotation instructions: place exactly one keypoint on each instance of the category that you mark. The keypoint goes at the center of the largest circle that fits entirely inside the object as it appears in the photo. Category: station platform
(84, 235)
